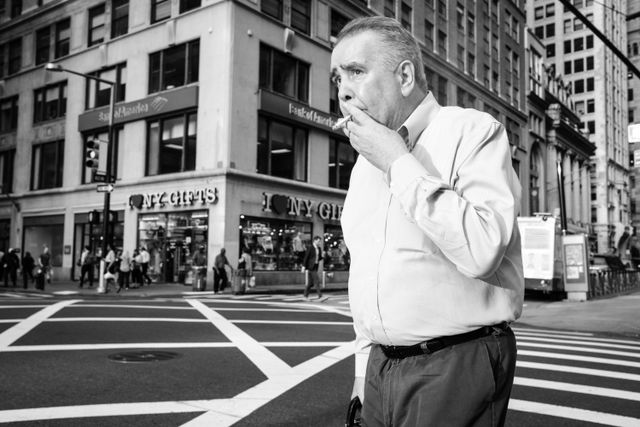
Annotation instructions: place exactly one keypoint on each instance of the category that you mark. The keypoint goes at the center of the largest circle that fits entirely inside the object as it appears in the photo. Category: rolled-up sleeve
(471, 216)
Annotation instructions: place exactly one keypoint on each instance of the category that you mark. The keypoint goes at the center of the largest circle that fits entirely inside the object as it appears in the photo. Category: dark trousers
(313, 280)
(468, 384)
(10, 273)
(145, 276)
(220, 279)
(86, 269)
(27, 275)
(123, 279)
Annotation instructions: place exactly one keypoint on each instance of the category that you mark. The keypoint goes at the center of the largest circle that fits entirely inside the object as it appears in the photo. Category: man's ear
(407, 76)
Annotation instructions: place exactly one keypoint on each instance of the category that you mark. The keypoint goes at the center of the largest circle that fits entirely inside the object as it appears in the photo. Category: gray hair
(400, 43)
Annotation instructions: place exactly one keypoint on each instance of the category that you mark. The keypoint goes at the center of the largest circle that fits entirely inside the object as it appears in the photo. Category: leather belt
(433, 345)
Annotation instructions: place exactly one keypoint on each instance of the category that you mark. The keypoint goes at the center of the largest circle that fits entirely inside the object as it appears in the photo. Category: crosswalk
(577, 377)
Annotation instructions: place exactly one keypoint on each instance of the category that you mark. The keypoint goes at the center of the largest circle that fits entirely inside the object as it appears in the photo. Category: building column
(568, 194)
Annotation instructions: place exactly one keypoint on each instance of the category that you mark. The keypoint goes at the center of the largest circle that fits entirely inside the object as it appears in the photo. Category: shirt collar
(419, 120)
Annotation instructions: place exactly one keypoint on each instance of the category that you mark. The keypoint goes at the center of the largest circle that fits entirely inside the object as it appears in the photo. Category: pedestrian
(199, 263)
(310, 264)
(136, 269)
(245, 271)
(220, 278)
(430, 223)
(124, 270)
(87, 264)
(10, 263)
(111, 267)
(28, 263)
(144, 264)
(44, 262)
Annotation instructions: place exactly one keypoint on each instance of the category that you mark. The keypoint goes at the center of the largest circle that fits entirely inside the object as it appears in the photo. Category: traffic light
(96, 155)
(92, 159)
(94, 217)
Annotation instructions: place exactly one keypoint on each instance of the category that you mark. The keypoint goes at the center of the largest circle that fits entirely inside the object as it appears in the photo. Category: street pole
(107, 195)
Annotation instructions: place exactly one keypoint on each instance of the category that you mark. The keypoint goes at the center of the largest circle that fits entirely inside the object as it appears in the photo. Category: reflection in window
(99, 94)
(119, 18)
(282, 149)
(160, 10)
(47, 165)
(96, 29)
(336, 254)
(63, 35)
(174, 67)
(283, 74)
(172, 144)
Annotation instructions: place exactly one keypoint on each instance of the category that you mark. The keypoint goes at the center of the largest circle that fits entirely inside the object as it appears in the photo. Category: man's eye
(355, 73)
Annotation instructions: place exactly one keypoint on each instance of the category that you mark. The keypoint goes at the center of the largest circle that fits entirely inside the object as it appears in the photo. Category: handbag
(252, 282)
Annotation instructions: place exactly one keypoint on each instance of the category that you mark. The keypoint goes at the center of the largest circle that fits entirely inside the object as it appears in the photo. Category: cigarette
(341, 123)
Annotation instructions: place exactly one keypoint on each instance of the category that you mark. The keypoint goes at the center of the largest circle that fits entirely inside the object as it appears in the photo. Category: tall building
(222, 121)
(633, 96)
(599, 86)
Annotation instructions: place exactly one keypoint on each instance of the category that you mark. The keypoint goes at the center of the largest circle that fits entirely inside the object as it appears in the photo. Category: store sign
(164, 102)
(204, 196)
(299, 207)
(297, 111)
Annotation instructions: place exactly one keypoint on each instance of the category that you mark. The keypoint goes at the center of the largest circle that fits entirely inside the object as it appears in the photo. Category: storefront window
(336, 252)
(275, 244)
(45, 230)
(172, 239)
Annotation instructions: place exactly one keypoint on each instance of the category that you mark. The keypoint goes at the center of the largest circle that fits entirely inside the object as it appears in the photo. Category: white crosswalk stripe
(565, 370)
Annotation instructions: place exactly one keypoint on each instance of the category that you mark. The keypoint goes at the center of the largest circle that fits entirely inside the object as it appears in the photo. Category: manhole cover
(143, 356)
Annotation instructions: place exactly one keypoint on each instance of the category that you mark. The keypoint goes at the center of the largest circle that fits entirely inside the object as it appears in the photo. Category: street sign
(105, 188)
(99, 177)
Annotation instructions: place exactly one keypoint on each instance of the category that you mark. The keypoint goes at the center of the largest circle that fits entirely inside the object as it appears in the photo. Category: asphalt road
(271, 360)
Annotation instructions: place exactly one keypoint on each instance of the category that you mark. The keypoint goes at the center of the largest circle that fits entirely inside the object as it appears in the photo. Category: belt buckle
(431, 346)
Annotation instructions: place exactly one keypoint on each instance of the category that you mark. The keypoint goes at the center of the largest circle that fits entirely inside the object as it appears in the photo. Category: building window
(428, 34)
(187, 5)
(301, 16)
(119, 18)
(538, 12)
(283, 74)
(47, 165)
(577, 24)
(405, 15)
(591, 106)
(539, 31)
(338, 21)
(578, 65)
(567, 26)
(342, 157)
(589, 62)
(579, 107)
(567, 46)
(590, 84)
(15, 55)
(16, 8)
(282, 149)
(63, 35)
(3, 59)
(9, 114)
(551, 30)
(87, 173)
(631, 115)
(96, 29)
(591, 126)
(6, 171)
(442, 91)
(389, 8)
(50, 102)
(567, 67)
(174, 67)
(471, 65)
(160, 10)
(551, 50)
(43, 45)
(99, 94)
(589, 42)
(471, 26)
(578, 44)
(171, 144)
(442, 43)
(275, 244)
(272, 8)
(578, 86)
(442, 8)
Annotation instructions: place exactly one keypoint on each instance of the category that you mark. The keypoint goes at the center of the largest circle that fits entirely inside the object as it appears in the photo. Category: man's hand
(358, 388)
(378, 144)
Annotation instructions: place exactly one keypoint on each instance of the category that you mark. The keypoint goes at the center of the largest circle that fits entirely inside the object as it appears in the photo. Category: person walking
(430, 222)
(136, 269)
(44, 262)
(124, 270)
(199, 262)
(220, 278)
(111, 268)
(11, 264)
(144, 264)
(310, 264)
(28, 264)
(87, 264)
(245, 271)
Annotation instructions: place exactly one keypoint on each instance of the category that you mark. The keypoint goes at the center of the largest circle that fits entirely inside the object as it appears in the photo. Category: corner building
(222, 130)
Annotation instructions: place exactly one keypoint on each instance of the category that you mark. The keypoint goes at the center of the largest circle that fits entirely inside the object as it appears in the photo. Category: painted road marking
(551, 332)
(601, 418)
(579, 370)
(545, 354)
(577, 388)
(270, 364)
(582, 342)
(529, 335)
(522, 343)
(15, 332)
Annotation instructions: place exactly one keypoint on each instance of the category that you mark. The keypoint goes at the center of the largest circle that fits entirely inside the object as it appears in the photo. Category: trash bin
(199, 279)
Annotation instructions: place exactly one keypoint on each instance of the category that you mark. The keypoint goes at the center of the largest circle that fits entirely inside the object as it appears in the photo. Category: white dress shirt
(435, 248)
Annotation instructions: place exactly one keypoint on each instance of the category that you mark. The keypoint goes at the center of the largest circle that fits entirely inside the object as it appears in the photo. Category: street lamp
(53, 67)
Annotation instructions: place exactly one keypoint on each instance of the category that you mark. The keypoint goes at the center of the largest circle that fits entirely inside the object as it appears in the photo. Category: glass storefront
(90, 234)
(275, 244)
(172, 239)
(44, 230)
(336, 253)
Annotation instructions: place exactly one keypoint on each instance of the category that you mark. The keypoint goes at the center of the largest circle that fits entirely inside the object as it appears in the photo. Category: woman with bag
(110, 261)
(124, 268)
(245, 271)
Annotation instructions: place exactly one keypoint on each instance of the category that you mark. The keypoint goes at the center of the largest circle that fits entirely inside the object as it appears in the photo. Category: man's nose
(345, 93)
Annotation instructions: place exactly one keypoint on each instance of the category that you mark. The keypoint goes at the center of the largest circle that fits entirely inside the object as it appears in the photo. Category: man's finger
(357, 115)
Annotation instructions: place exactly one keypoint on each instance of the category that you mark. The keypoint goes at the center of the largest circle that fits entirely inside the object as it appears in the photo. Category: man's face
(364, 80)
